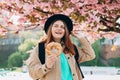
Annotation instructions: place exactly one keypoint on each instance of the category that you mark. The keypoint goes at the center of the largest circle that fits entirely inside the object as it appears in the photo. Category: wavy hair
(69, 48)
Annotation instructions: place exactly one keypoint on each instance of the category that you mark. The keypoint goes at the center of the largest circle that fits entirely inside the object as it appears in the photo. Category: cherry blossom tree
(96, 18)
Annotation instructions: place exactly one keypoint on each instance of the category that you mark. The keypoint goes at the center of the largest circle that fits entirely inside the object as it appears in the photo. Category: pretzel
(53, 48)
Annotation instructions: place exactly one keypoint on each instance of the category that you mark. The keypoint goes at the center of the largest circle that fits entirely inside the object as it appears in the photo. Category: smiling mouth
(58, 32)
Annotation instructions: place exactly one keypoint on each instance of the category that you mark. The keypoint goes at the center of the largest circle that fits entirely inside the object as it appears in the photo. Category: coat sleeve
(35, 68)
(86, 52)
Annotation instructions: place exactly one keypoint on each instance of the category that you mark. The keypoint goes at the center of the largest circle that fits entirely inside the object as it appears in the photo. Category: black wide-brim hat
(62, 17)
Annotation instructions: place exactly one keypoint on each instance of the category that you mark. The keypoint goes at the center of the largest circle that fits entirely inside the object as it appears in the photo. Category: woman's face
(58, 30)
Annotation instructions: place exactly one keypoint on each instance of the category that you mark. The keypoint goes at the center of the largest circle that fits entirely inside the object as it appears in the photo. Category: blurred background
(21, 28)
(14, 48)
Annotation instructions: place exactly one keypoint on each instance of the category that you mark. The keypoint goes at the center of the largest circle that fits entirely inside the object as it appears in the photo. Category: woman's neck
(57, 40)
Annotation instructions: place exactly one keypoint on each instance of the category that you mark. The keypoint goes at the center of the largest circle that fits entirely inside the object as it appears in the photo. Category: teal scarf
(65, 68)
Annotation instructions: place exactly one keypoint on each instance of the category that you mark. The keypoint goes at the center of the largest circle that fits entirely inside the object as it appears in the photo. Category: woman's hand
(77, 34)
(50, 61)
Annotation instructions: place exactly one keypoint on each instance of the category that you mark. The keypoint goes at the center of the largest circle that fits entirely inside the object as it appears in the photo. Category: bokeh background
(21, 28)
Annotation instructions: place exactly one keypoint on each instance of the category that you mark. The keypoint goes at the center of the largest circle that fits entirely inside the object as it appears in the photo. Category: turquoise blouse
(65, 68)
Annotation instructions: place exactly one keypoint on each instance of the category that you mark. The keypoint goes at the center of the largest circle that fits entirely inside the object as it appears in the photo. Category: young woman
(63, 67)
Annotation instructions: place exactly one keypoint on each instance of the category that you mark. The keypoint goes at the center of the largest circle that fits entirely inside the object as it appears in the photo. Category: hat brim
(62, 17)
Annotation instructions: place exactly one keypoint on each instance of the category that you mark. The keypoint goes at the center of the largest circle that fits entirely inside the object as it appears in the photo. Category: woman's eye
(62, 27)
(55, 26)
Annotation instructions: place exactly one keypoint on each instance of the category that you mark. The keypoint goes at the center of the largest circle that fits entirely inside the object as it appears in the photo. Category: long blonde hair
(69, 48)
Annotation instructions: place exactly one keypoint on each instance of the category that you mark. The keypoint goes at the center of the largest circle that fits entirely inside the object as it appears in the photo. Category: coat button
(68, 57)
(73, 74)
(45, 70)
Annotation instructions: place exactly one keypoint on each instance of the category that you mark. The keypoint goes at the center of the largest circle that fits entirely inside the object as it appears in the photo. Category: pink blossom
(91, 1)
(88, 10)
(59, 4)
(68, 11)
(74, 1)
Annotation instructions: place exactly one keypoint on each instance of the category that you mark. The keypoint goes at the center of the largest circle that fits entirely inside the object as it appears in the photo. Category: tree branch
(104, 23)
(31, 27)
(40, 10)
(110, 29)
(105, 30)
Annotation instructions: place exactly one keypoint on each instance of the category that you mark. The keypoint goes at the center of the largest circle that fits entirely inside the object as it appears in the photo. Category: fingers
(52, 57)
(50, 61)
(78, 34)
(75, 34)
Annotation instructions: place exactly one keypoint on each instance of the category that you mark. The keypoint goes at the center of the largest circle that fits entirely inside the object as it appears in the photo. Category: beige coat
(39, 71)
